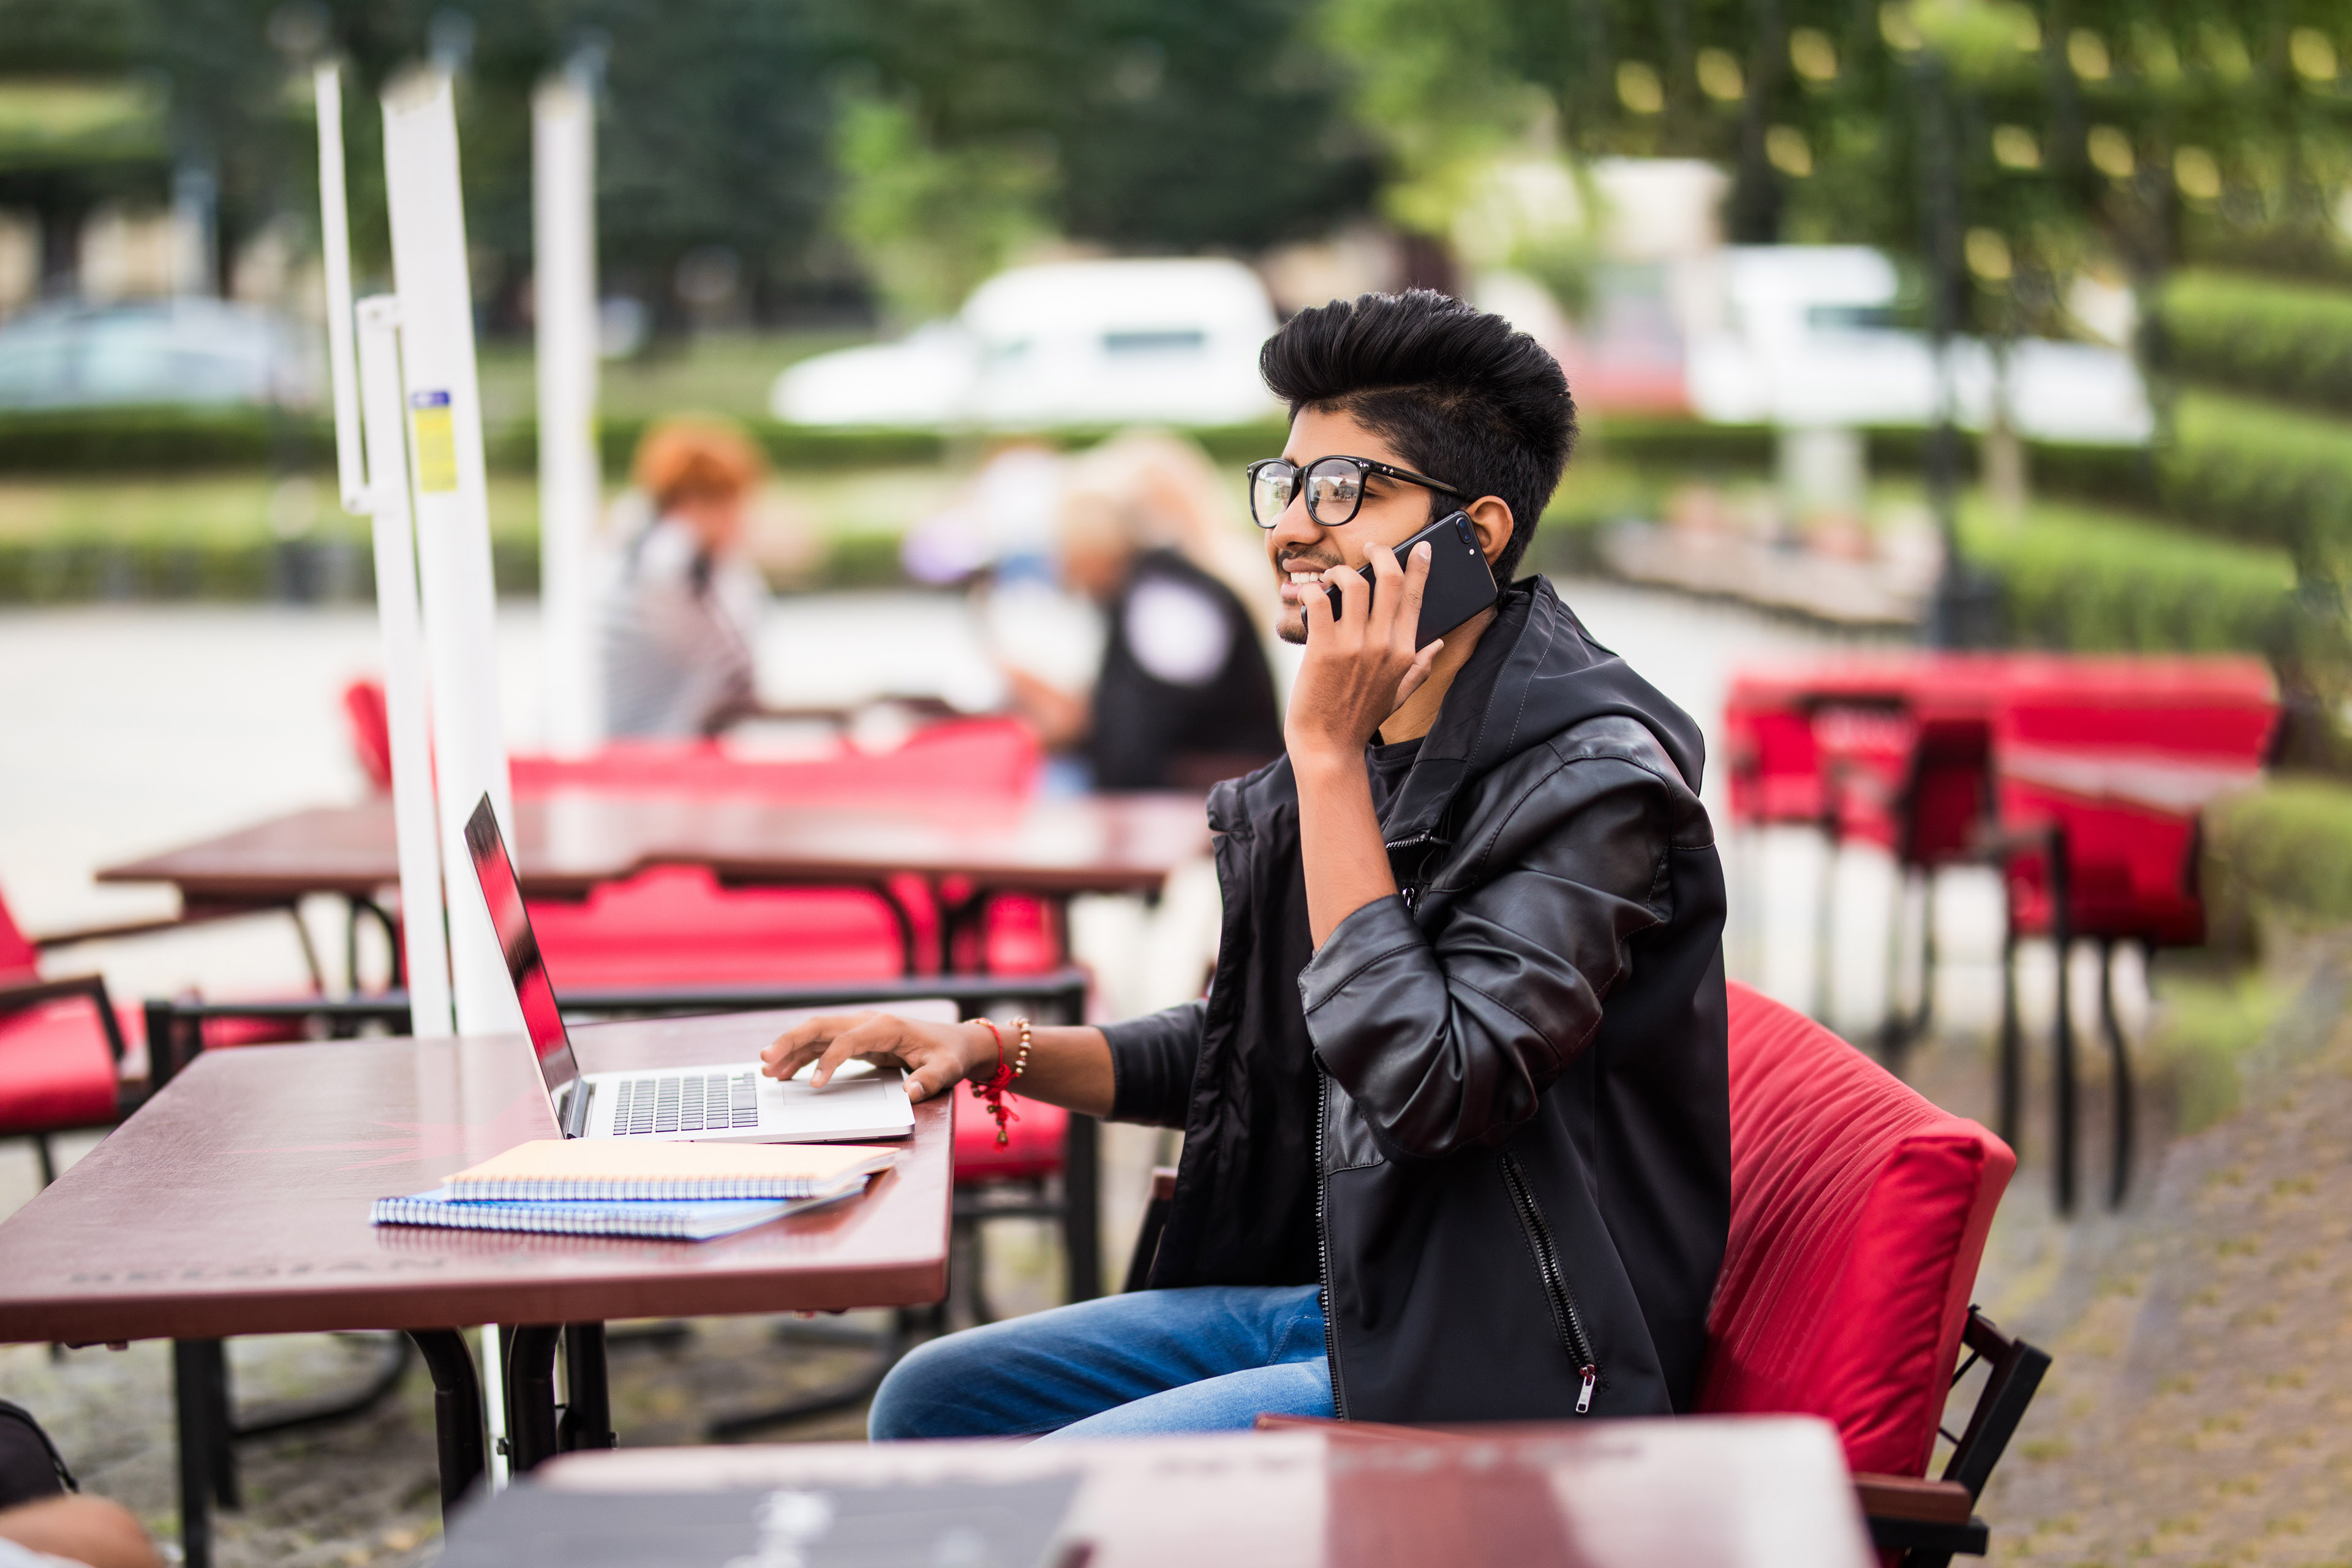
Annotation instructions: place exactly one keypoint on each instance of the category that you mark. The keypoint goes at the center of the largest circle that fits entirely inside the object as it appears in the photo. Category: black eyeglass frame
(1365, 467)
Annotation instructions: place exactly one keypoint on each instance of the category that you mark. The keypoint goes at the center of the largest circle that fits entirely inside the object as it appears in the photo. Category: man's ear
(1491, 516)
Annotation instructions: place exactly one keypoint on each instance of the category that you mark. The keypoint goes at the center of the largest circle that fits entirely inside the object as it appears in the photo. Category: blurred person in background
(683, 609)
(1180, 498)
(1183, 696)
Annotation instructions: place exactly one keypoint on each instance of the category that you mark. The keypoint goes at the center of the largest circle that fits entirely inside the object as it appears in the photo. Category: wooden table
(569, 840)
(1756, 1492)
(236, 1202)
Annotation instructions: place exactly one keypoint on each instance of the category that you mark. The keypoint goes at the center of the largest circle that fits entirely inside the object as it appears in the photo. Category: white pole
(404, 673)
(453, 520)
(385, 501)
(335, 242)
(563, 253)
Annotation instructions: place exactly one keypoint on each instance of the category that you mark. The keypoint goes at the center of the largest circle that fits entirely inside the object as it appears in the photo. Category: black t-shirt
(1387, 767)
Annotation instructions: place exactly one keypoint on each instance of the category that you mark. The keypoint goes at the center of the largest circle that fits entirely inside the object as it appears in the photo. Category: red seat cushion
(1858, 1216)
(674, 925)
(56, 1069)
(1033, 1139)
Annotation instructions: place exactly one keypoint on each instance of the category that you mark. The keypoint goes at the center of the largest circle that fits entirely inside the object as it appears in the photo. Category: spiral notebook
(579, 1170)
(699, 1220)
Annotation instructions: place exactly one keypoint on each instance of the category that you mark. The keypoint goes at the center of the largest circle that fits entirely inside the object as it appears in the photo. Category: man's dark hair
(1462, 395)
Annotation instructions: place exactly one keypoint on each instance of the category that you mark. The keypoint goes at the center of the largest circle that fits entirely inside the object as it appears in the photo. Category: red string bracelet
(992, 1093)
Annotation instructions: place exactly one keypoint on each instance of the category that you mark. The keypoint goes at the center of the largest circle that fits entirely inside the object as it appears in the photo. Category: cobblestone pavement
(2197, 1412)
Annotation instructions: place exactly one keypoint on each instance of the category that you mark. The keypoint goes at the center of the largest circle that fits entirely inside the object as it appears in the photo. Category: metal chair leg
(2065, 1088)
(2010, 1083)
(2119, 1079)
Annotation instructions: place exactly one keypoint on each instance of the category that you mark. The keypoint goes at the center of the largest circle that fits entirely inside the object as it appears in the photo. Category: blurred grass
(2206, 1018)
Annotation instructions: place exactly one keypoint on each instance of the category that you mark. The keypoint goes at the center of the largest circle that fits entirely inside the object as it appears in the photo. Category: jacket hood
(1535, 673)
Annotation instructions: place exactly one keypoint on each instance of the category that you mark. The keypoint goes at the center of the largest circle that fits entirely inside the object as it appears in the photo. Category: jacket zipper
(1410, 891)
(1564, 1312)
(1323, 1248)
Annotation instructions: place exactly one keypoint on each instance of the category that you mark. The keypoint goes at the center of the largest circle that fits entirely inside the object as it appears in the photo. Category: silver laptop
(731, 1103)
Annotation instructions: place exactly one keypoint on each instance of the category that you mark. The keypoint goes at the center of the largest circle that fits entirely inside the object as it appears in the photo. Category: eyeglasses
(1335, 488)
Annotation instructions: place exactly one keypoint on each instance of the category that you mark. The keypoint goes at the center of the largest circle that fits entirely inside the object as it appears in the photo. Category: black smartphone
(1460, 582)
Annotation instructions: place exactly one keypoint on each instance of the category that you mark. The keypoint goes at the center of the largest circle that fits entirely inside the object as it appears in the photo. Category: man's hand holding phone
(1360, 664)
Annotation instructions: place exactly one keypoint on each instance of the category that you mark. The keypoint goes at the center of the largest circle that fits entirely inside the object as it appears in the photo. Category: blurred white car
(1806, 344)
(1077, 342)
(188, 350)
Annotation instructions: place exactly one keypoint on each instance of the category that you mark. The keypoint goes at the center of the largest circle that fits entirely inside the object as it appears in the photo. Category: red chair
(1859, 1216)
(65, 1059)
(69, 1058)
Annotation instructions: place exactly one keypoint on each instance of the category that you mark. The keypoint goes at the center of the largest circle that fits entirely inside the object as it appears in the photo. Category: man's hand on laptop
(934, 1054)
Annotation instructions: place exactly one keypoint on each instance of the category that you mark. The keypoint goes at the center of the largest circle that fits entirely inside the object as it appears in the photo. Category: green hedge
(2260, 471)
(2287, 845)
(144, 440)
(2086, 580)
(317, 570)
(2287, 341)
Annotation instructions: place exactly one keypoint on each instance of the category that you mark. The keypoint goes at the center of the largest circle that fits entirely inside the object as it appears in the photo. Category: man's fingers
(804, 1039)
(1416, 583)
(1355, 596)
(1419, 672)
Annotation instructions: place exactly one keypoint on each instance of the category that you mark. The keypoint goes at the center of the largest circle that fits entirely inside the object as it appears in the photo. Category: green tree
(1159, 126)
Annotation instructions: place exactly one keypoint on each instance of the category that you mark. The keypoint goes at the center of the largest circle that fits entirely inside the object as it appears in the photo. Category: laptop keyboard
(694, 1102)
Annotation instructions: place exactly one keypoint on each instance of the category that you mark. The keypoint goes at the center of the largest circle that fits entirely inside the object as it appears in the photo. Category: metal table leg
(457, 1410)
(199, 1396)
(587, 1419)
(530, 1395)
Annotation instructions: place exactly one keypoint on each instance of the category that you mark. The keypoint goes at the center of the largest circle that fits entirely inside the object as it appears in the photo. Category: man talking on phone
(1457, 1144)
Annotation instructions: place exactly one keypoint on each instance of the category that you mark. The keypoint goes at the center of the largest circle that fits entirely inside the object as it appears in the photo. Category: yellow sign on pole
(437, 441)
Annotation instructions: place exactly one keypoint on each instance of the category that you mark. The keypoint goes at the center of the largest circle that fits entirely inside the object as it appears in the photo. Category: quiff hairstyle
(1462, 394)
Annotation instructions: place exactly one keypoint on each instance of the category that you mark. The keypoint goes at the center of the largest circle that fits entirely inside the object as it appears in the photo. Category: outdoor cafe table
(569, 840)
(236, 1202)
(1756, 1492)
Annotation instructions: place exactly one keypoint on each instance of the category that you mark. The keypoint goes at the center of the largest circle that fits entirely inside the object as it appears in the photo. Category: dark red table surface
(237, 1203)
(568, 841)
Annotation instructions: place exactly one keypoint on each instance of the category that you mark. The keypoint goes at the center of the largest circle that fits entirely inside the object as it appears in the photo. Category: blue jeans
(1209, 1359)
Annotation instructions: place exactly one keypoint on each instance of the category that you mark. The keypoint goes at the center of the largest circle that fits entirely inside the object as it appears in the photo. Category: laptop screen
(508, 917)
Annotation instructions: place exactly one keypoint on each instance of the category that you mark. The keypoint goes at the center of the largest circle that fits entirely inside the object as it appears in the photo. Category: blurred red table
(1767, 1492)
(570, 841)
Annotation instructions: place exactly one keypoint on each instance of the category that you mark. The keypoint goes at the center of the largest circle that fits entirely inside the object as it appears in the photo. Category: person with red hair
(683, 610)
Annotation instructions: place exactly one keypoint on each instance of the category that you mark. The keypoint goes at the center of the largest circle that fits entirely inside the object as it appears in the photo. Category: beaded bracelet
(992, 1093)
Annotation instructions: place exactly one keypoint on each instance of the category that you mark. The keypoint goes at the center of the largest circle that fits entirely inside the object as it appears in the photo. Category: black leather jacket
(1489, 1116)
